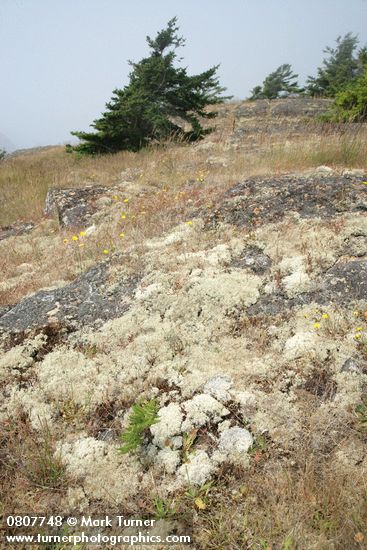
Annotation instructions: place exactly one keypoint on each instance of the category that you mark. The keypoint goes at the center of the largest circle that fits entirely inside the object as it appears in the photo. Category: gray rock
(15, 229)
(356, 245)
(82, 302)
(253, 258)
(255, 202)
(107, 434)
(351, 365)
(343, 284)
(74, 207)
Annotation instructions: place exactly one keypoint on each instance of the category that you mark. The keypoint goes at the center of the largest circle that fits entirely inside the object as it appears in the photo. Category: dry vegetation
(33, 174)
(175, 180)
(285, 500)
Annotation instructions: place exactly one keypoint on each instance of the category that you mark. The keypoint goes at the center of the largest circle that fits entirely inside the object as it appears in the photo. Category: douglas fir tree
(160, 101)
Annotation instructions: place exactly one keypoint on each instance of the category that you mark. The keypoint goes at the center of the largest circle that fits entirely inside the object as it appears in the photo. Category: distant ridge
(31, 150)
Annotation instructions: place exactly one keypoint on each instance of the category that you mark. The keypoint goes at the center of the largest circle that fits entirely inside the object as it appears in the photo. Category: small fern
(142, 417)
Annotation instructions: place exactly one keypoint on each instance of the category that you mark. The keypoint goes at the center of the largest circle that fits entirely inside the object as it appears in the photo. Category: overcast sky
(61, 59)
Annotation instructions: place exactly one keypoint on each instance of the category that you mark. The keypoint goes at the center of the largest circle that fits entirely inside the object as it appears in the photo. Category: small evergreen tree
(338, 69)
(2, 154)
(281, 80)
(158, 102)
(256, 93)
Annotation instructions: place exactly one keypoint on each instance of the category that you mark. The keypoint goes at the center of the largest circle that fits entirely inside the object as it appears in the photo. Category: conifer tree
(281, 80)
(338, 69)
(160, 101)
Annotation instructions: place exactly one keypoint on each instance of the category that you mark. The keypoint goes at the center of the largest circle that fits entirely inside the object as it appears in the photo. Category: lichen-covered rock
(352, 366)
(74, 207)
(258, 322)
(168, 459)
(262, 200)
(15, 230)
(235, 440)
(83, 301)
(18, 359)
(253, 258)
(218, 387)
(102, 471)
(197, 470)
(169, 425)
(200, 410)
(234, 444)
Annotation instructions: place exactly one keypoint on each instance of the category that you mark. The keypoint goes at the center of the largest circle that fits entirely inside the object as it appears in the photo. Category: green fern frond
(142, 417)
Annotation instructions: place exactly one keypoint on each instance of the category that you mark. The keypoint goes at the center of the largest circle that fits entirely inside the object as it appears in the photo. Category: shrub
(350, 105)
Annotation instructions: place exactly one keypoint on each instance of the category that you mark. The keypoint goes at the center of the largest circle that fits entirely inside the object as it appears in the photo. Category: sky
(61, 59)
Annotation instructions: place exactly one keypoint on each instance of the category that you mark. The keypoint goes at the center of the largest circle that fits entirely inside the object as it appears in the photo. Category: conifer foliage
(161, 101)
(339, 68)
(281, 80)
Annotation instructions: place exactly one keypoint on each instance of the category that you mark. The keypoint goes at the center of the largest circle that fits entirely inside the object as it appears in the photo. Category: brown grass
(286, 508)
(25, 179)
(177, 179)
(29, 467)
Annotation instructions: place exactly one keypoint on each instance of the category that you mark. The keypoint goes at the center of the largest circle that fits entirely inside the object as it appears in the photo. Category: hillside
(226, 281)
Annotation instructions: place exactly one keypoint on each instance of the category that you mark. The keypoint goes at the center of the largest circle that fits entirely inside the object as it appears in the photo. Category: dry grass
(177, 179)
(25, 179)
(286, 508)
(29, 467)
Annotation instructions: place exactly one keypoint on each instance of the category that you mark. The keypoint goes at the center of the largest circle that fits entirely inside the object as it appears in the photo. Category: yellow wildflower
(105, 251)
(200, 503)
(123, 216)
(65, 241)
(325, 316)
(355, 313)
(189, 222)
(126, 200)
(115, 197)
(358, 336)
(74, 238)
(316, 325)
(359, 329)
(82, 233)
(122, 234)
